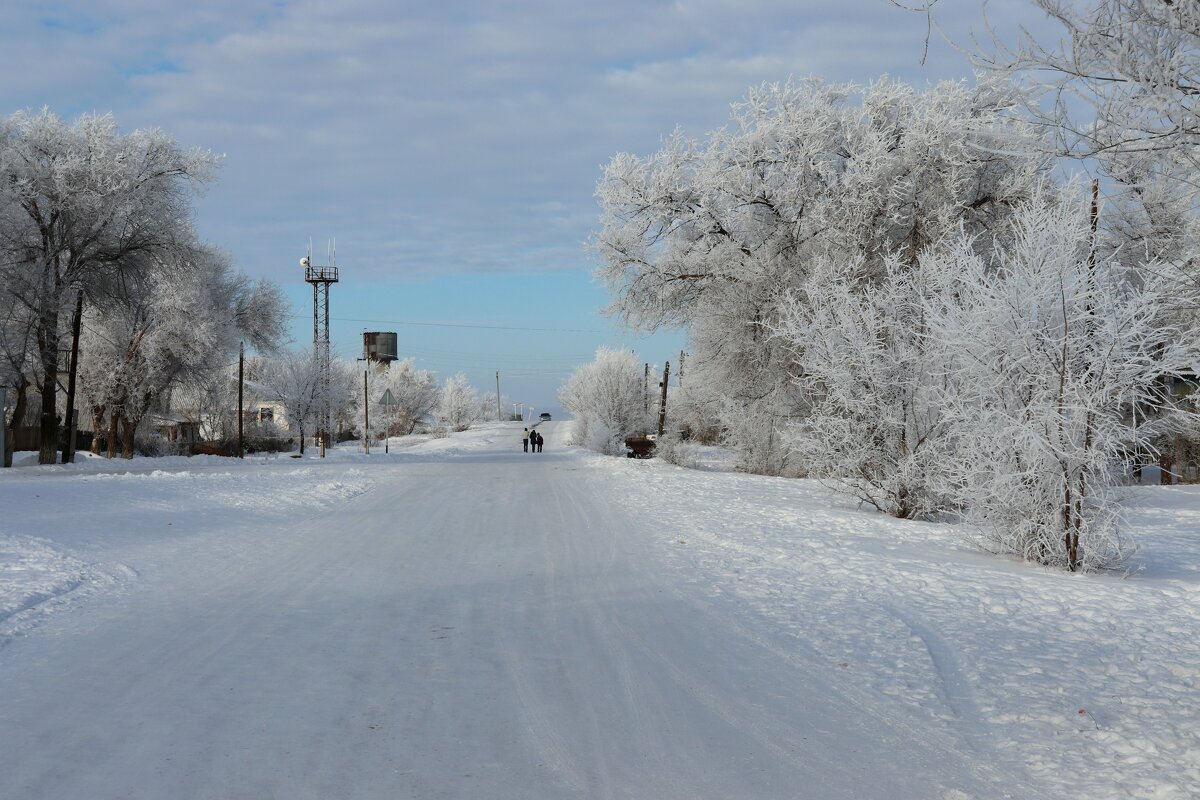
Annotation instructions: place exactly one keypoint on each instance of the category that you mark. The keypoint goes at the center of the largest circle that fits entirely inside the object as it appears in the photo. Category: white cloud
(448, 137)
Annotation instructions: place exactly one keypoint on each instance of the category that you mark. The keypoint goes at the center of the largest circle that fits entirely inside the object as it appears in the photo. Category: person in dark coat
(539, 441)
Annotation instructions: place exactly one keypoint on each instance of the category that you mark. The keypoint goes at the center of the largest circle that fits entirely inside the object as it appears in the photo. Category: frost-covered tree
(1116, 88)
(606, 399)
(1049, 352)
(415, 392)
(459, 404)
(294, 379)
(79, 203)
(1120, 91)
(871, 378)
(1122, 83)
(178, 323)
(713, 235)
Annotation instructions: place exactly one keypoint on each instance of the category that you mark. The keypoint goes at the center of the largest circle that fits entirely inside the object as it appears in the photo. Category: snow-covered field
(460, 619)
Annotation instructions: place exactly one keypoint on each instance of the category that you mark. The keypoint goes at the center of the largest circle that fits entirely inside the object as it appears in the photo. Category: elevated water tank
(379, 346)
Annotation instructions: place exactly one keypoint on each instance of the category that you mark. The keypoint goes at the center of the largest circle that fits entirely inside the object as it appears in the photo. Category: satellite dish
(304, 261)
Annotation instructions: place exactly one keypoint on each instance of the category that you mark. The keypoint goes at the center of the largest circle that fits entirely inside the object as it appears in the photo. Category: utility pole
(498, 418)
(366, 418)
(72, 419)
(662, 403)
(646, 389)
(241, 389)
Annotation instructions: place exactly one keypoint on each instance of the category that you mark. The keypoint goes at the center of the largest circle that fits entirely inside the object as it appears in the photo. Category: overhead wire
(471, 325)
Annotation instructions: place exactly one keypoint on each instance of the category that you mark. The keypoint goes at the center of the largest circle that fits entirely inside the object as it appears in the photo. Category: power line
(473, 325)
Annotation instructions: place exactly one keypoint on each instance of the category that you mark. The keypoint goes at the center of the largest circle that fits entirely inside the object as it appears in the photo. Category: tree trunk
(1068, 519)
(130, 423)
(1179, 458)
(48, 446)
(97, 423)
(128, 426)
(68, 451)
(22, 403)
(114, 420)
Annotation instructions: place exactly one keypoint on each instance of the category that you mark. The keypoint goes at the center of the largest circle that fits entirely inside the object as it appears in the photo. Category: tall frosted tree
(1118, 90)
(294, 379)
(712, 235)
(1014, 378)
(872, 379)
(178, 323)
(79, 203)
(1053, 353)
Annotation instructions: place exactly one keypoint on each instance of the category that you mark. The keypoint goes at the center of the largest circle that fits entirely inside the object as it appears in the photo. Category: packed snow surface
(457, 618)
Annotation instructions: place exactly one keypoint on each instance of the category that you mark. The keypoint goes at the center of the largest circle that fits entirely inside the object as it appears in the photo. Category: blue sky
(451, 148)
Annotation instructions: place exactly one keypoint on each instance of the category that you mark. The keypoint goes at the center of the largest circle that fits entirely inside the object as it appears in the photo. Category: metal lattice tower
(321, 277)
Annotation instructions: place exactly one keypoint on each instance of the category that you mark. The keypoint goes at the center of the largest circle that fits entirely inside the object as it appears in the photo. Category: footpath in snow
(460, 619)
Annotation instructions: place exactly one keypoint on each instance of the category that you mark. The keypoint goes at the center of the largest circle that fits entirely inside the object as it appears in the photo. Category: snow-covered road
(456, 620)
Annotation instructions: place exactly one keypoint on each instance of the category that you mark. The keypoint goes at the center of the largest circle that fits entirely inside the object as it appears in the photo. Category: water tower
(379, 347)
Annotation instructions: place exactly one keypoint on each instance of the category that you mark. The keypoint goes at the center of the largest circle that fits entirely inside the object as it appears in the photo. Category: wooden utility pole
(71, 420)
(662, 403)
(241, 394)
(646, 389)
(498, 416)
(366, 417)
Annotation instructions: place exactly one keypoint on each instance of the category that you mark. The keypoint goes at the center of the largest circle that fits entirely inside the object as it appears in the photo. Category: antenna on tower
(321, 278)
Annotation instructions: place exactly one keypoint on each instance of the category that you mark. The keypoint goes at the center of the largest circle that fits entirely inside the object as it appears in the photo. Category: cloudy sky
(451, 148)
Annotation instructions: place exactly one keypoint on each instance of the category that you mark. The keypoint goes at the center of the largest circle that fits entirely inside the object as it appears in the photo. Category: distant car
(544, 417)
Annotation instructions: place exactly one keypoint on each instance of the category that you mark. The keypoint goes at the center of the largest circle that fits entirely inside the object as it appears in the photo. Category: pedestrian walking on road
(539, 441)
(525, 440)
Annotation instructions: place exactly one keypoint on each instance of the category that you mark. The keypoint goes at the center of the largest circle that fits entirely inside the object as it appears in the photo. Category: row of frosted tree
(112, 309)
(913, 295)
(107, 296)
(417, 401)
